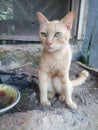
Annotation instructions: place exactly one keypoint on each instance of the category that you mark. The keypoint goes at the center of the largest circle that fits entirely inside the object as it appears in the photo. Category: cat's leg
(51, 89)
(43, 87)
(57, 84)
(67, 91)
(62, 98)
(58, 87)
(51, 95)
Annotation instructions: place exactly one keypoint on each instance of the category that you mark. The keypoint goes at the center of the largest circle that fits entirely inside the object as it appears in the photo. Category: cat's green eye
(57, 34)
(43, 34)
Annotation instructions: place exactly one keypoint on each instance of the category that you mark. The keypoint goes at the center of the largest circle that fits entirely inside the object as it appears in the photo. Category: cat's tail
(80, 80)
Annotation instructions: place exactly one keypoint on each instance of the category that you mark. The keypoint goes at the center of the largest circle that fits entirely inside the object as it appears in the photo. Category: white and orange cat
(56, 59)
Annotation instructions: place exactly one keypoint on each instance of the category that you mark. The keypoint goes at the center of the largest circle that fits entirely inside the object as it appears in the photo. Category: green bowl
(9, 97)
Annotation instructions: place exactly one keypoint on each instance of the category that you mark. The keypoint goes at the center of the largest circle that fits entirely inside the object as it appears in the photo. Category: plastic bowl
(9, 97)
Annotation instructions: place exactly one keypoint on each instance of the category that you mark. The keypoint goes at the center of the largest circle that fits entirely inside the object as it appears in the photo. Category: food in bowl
(5, 100)
(9, 97)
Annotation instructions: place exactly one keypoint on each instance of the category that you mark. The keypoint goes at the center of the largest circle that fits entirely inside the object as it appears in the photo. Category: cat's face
(54, 35)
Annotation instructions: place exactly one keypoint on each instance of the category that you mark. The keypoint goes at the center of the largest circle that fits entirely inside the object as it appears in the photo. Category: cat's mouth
(51, 48)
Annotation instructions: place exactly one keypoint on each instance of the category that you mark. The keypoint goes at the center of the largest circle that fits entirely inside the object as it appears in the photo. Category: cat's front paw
(72, 105)
(62, 98)
(46, 103)
(51, 95)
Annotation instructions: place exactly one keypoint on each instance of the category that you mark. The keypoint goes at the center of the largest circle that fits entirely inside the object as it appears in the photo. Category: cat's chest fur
(55, 63)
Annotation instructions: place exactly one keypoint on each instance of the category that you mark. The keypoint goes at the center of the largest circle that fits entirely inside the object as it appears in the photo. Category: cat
(55, 61)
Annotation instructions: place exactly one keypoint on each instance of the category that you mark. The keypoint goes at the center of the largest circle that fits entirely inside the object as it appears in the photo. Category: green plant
(89, 48)
(35, 62)
(83, 59)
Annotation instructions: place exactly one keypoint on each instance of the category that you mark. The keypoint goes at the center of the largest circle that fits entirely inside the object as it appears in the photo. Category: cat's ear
(68, 20)
(41, 19)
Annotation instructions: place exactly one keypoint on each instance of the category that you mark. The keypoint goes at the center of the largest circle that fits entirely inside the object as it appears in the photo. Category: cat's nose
(48, 44)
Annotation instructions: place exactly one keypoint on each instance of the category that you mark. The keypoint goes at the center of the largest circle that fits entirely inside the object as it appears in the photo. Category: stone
(85, 118)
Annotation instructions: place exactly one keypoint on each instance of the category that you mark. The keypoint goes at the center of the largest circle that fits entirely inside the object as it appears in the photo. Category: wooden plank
(87, 67)
(75, 7)
(20, 38)
(83, 7)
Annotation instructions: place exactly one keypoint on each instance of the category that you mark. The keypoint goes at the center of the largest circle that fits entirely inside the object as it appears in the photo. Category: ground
(30, 96)
(29, 114)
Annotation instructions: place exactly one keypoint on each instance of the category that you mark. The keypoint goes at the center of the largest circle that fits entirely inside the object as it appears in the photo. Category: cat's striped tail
(80, 80)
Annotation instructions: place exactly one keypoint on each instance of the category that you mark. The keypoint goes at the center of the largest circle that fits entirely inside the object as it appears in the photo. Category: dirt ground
(82, 95)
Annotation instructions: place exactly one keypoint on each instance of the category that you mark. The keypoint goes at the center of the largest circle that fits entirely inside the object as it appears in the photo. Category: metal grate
(18, 17)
